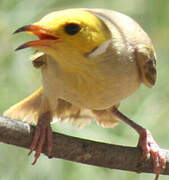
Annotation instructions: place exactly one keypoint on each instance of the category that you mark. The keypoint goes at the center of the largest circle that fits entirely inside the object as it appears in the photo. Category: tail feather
(27, 109)
(81, 117)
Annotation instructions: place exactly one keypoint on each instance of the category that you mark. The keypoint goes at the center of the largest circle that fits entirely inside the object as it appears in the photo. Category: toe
(35, 140)
(149, 146)
(49, 141)
(42, 136)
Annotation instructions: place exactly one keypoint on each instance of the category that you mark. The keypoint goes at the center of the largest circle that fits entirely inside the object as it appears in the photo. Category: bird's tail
(81, 117)
(27, 109)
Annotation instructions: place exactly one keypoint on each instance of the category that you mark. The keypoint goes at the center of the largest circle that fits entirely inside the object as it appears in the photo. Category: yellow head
(75, 28)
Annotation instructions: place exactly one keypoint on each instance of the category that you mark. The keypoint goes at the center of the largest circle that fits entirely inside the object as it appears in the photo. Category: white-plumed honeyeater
(90, 60)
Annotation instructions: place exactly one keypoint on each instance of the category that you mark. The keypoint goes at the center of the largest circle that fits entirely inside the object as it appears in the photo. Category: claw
(148, 145)
(43, 135)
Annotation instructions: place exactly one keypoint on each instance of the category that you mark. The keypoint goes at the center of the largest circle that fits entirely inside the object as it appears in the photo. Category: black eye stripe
(72, 28)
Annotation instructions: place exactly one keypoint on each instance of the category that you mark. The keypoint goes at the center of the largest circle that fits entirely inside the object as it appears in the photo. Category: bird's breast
(95, 88)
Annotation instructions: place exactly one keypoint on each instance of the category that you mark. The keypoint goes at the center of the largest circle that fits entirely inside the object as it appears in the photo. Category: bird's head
(77, 29)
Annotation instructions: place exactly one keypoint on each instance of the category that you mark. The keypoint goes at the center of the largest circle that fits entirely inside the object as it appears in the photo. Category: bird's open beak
(44, 36)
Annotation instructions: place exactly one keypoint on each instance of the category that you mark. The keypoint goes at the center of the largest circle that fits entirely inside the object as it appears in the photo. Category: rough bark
(79, 150)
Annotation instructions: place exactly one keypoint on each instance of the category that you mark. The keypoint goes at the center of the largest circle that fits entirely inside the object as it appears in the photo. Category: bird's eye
(72, 28)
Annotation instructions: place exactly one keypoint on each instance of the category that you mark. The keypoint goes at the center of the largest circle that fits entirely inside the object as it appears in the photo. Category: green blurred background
(149, 107)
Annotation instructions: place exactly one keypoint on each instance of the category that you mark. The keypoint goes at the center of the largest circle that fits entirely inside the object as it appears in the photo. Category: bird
(90, 60)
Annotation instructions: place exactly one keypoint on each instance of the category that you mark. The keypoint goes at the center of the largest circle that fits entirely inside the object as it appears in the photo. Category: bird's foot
(148, 145)
(42, 136)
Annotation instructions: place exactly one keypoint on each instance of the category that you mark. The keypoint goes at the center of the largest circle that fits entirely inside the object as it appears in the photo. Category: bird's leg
(42, 136)
(147, 144)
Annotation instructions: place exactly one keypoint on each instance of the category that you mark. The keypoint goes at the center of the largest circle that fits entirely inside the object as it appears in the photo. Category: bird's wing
(27, 109)
(146, 61)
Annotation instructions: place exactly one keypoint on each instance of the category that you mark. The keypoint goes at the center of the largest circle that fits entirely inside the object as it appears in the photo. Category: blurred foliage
(149, 107)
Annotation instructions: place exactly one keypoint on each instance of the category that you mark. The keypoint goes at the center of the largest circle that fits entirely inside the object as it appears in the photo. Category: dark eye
(72, 28)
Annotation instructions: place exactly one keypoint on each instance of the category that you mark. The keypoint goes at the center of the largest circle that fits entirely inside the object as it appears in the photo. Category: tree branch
(79, 150)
